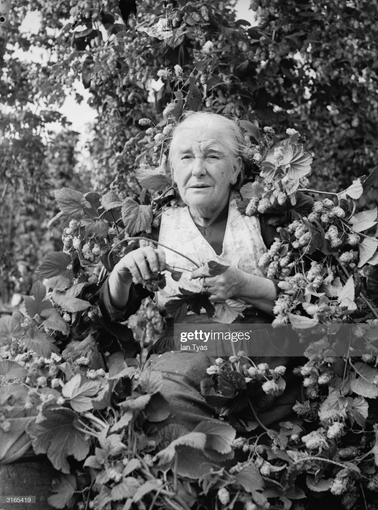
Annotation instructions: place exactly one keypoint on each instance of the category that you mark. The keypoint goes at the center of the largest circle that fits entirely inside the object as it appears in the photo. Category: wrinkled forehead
(202, 138)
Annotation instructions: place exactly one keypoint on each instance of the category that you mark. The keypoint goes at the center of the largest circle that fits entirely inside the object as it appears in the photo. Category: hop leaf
(65, 488)
(152, 179)
(136, 218)
(59, 436)
(79, 391)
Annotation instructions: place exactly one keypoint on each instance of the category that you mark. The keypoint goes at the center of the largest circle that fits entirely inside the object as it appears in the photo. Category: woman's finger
(161, 259)
(146, 262)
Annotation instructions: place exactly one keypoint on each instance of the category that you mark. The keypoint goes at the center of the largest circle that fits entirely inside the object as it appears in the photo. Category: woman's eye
(186, 156)
(213, 156)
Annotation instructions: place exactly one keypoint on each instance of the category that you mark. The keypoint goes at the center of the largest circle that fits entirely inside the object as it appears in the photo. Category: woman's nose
(198, 167)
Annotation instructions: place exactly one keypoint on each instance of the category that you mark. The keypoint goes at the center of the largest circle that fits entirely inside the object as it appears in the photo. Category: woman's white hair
(197, 120)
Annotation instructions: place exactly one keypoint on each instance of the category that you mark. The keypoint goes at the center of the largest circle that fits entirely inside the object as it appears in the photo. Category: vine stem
(344, 466)
(364, 299)
(103, 425)
(84, 431)
(163, 246)
(319, 192)
(257, 418)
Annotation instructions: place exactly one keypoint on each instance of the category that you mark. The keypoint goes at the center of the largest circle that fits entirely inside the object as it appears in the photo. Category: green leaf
(301, 322)
(194, 97)
(55, 321)
(354, 191)
(228, 311)
(252, 190)
(136, 404)
(192, 463)
(358, 410)
(123, 422)
(34, 307)
(39, 342)
(92, 204)
(103, 498)
(110, 201)
(126, 489)
(10, 328)
(136, 218)
(370, 180)
(55, 264)
(333, 407)
(149, 486)
(13, 397)
(70, 304)
(15, 442)
(71, 202)
(321, 485)
(193, 439)
(59, 282)
(152, 179)
(58, 436)
(95, 227)
(304, 204)
(347, 294)
(250, 479)
(295, 493)
(131, 466)
(112, 444)
(65, 487)
(169, 433)
(364, 220)
(150, 381)
(92, 462)
(363, 384)
(366, 250)
(211, 268)
(176, 308)
(157, 409)
(79, 391)
(11, 370)
(374, 260)
(75, 290)
(219, 436)
(251, 129)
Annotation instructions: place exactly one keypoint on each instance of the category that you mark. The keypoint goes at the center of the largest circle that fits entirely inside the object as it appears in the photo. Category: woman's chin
(198, 199)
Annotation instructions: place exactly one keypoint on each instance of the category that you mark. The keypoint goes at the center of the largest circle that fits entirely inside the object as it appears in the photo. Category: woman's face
(203, 166)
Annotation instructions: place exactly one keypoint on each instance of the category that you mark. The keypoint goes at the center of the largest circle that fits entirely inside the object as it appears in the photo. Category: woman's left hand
(224, 286)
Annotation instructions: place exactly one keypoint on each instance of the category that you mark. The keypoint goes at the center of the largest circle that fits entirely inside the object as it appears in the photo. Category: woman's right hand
(141, 264)
(136, 266)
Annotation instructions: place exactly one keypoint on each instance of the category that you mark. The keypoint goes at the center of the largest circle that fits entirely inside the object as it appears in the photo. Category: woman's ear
(237, 169)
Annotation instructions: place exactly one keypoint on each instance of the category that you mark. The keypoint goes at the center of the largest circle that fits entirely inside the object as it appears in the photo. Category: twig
(89, 494)
(175, 474)
(316, 191)
(344, 466)
(363, 495)
(257, 418)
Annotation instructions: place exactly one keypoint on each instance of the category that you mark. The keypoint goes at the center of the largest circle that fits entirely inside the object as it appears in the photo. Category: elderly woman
(206, 164)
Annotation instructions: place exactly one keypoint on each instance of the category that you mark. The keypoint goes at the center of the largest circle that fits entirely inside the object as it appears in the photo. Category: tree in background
(35, 159)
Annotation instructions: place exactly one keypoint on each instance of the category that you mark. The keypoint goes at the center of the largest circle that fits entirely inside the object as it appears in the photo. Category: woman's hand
(237, 284)
(141, 264)
(136, 266)
(224, 286)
